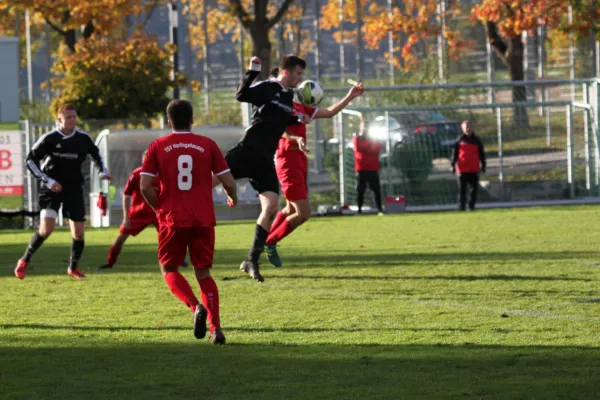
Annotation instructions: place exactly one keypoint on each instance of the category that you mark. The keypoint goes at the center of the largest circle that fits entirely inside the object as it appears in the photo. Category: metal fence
(536, 150)
(551, 153)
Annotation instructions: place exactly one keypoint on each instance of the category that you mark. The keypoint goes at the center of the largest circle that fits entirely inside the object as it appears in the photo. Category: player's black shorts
(71, 199)
(247, 163)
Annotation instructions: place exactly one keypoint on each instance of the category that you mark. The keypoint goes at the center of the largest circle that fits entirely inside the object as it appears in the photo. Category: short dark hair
(291, 61)
(66, 107)
(180, 113)
(275, 72)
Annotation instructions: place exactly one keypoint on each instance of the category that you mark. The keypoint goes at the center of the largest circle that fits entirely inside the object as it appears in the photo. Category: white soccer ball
(310, 93)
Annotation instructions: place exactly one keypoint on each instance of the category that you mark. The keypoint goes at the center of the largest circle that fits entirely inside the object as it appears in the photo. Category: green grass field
(486, 305)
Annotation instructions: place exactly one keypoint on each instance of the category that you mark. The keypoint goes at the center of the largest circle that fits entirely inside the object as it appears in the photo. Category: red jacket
(469, 155)
(366, 154)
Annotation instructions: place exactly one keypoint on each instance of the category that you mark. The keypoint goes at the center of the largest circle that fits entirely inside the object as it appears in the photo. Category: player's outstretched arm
(230, 187)
(148, 190)
(255, 94)
(332, 110)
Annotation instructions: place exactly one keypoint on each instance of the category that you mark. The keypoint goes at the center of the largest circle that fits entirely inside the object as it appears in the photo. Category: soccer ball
(310, 93)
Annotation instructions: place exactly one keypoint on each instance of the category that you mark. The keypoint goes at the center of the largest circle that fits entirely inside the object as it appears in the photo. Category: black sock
(258, 245)
(76, 250)
(34, 244)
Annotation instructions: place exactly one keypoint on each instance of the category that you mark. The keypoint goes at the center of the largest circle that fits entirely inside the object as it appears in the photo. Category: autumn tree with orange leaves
(410, 22)
(68, 17)
(105, 66)
(504, 22)
(257, 17)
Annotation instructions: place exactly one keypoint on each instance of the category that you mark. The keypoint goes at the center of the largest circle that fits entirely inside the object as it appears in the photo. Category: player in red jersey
(137, 215)
(291, 166)
(185, 163)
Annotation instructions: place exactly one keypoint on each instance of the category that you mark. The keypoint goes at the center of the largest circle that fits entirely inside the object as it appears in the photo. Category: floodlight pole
(174, 25)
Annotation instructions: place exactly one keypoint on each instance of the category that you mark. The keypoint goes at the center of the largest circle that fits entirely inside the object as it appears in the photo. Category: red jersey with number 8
(184, 161)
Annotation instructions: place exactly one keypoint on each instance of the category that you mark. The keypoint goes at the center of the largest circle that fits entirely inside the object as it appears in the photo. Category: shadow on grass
(52, 259)
(229, 329)
(196, 369)
(438, 277)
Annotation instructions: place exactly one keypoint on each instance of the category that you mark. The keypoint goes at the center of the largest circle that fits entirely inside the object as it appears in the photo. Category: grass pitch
(488, 305)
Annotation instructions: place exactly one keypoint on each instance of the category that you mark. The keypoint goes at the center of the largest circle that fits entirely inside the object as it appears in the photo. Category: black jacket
(61, 157)
(271, 113)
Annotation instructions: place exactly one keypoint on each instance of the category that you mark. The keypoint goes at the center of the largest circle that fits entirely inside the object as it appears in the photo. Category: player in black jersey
(253, 157)
(61, 151)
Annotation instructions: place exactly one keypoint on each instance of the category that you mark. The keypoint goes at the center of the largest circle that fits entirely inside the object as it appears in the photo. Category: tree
(411, 22)
(228, 13)
(12, 23)
(109, 78)
(67, 17)
(504, 22)
(291, 27)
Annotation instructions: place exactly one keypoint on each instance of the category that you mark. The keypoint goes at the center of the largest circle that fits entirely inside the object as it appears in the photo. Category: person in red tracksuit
(366, 165)
(468, 162)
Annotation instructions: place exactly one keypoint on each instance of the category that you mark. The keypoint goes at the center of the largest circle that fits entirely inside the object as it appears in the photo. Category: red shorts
(174, 243)
(137, 225)
(292, 172)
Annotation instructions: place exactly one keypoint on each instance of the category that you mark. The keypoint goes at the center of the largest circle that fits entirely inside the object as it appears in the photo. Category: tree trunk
(261, 47)
(514, 59)
(70, 37)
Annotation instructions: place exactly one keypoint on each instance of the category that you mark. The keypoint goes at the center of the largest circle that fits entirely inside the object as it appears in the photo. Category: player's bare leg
(45, 229)
(299, 213)
(271, 249)
(269, 204)
(210, 299)
(77, 245)
(181, 288)
(114, 250)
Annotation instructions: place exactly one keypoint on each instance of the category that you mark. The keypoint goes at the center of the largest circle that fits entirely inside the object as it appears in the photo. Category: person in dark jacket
(468, 162)
(366, 165)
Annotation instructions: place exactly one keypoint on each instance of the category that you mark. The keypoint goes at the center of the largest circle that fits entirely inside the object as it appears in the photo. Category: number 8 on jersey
(184, 179)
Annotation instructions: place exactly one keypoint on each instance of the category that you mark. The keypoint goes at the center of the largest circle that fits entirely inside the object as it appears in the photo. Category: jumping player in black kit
(61, 151)
(253, 157)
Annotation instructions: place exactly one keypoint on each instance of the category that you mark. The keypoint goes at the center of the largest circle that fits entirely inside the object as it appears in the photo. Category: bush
(107, 79)
(415, 161)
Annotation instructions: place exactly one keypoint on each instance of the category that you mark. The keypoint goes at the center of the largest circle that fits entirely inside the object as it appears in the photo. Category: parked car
(430, 128)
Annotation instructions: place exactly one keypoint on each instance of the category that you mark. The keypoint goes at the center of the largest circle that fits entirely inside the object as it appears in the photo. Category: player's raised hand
(56, 187)
(255, 60)
(357, 90)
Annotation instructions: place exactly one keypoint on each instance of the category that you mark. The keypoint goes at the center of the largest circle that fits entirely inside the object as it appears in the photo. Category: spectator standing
(468, 162)
(366, 165)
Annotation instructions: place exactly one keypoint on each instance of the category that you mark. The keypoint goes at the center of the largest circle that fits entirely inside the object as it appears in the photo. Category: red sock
(210, 299)
(113, 254)
(278, 221)
(181, 289)
(282, 231)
